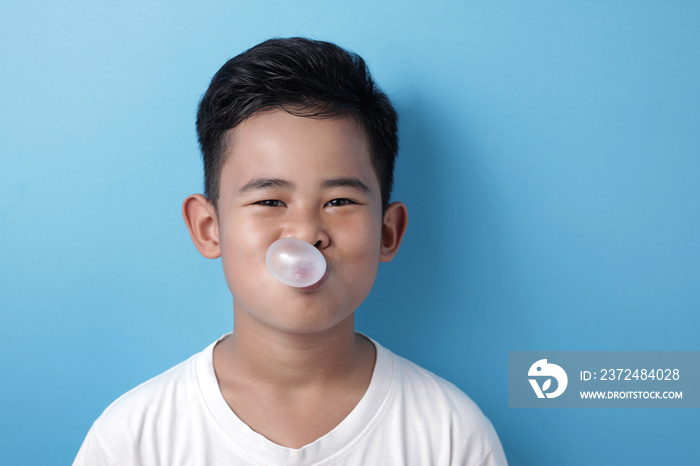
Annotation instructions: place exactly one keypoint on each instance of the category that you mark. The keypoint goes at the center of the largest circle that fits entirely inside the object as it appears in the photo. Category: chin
(305, 321)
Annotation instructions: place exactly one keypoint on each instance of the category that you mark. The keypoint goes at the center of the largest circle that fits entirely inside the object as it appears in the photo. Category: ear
(200, 218)
(393, 229)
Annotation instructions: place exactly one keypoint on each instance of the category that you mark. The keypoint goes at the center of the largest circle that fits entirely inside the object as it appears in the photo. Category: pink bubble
(295, 262)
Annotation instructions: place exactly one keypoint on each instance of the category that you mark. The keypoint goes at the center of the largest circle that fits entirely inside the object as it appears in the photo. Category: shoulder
(419, 385)
(154, 395)
(436, 411)
(143, 412)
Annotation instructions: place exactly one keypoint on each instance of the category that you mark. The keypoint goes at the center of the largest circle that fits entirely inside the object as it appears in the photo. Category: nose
(307, 225)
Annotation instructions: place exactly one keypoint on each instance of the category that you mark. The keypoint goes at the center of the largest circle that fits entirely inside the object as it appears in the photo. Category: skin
(299, 366)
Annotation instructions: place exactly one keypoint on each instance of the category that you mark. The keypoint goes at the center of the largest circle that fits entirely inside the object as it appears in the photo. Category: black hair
(303, 77)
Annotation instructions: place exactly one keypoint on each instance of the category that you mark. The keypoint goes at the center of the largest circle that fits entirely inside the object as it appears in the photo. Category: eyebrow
(350, 182)
(264, 183)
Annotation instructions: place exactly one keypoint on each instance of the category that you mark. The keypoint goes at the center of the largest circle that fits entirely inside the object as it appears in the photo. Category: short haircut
(304, 77)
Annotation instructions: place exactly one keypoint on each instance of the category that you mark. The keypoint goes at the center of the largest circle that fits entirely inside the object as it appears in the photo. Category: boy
(297, 142)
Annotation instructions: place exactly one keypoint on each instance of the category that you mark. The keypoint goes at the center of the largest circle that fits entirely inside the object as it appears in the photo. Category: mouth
(316, 285)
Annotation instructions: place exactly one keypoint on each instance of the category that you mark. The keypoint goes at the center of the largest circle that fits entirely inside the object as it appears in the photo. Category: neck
(261, 356)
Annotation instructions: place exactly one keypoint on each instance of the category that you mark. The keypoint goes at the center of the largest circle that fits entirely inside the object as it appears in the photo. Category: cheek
(243, 250)
(361, 250)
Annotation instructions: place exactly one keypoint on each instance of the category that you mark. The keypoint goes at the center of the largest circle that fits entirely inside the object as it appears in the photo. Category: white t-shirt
(408, 416)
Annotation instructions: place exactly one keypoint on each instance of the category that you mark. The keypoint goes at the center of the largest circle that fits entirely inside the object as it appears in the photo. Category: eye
(270, 203)
(340, 202)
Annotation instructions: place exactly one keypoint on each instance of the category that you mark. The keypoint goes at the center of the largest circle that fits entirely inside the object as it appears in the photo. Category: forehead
(276, 144)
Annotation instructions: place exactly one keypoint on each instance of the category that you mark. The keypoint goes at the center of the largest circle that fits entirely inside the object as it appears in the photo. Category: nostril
(318, 244)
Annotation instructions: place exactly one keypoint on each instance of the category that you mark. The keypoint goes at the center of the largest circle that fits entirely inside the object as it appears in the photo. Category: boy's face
(312, 179)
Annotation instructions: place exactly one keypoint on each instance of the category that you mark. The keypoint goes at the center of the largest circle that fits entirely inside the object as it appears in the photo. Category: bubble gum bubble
(295, 262)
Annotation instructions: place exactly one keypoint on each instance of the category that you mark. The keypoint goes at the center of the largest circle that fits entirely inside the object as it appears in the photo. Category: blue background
(550, 162)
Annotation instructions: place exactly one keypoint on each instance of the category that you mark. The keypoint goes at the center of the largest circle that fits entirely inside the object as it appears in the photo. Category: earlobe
(393, 229)
(200, 218)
